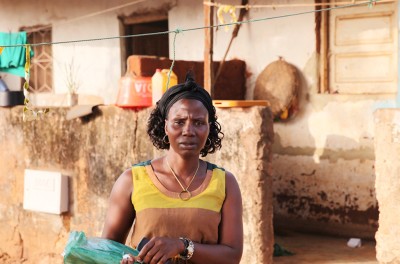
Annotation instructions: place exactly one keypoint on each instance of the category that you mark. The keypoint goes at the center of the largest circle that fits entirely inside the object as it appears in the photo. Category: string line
(196, 28)
(88, 15)
(173, 58)
(290, 5)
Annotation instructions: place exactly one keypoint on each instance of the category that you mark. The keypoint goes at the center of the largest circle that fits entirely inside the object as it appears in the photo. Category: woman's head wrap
(187, 90)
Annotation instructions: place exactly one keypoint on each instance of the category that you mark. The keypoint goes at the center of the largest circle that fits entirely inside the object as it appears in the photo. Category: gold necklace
(184, 190)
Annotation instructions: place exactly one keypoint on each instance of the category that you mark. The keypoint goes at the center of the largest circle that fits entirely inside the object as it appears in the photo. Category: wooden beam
(324, 54)
(208, 48)
(122, 45)
(235, 32)
(145, 18)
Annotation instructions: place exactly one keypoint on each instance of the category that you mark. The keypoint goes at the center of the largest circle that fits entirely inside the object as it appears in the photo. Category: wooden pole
(324, 54)
(235, 32)
(208, 48)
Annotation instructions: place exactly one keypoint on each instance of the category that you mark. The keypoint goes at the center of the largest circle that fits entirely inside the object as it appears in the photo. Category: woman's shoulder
(123, 182)
(229, 177)
(140, 168)
(212, 166)
(232, 185)
(142, 164)
(126, 175)
(135, 169)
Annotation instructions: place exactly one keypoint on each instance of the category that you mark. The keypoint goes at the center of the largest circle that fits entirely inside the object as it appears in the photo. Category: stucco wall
(387, 143)
(324, 168)
(93, 151)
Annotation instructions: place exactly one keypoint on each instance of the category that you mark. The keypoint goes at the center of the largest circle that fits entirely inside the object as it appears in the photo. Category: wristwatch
(189, 248)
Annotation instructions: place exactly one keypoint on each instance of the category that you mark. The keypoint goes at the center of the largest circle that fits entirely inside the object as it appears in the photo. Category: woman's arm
(230, 246)
(120, 213)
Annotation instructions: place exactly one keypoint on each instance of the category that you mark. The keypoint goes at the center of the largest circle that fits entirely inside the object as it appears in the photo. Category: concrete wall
(93, 151)
(387, 144)
(324, 168)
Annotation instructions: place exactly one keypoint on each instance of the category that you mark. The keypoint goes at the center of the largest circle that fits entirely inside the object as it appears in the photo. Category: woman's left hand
(127, 259)
(160, 249)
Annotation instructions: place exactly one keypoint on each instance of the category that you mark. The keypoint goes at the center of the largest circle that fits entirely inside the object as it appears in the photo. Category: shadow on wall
(327, 188)
(332, 195)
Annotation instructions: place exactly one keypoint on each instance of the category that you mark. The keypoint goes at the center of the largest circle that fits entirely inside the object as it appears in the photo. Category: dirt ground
(323, 249)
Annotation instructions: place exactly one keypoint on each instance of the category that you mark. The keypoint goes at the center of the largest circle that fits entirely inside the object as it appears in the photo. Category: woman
(191, 210)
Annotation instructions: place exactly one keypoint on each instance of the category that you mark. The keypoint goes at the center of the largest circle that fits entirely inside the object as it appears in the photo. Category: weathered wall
(387, 185)
(324, 168)
(93, 151)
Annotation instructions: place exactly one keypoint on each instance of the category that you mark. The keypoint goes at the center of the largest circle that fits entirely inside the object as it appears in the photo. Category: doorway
(153, 45)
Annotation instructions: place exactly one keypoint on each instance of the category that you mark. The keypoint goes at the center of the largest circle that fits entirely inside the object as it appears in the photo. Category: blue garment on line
(12, 60)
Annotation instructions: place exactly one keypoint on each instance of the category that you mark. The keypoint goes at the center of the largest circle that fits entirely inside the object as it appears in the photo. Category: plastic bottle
(159, 83)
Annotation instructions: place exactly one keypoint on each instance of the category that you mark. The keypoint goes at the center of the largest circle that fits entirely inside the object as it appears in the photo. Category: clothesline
(179, 30)
(107, 10)
(297, 4)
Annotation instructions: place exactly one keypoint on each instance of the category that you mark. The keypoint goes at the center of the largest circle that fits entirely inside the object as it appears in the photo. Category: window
(41, 79)
(155, 45)
(361, 50)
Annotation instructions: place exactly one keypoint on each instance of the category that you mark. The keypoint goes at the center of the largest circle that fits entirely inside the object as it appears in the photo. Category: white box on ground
(354, 242)
(45, 191)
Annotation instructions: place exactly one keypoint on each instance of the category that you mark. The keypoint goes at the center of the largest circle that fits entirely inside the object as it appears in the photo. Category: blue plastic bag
(94, 250)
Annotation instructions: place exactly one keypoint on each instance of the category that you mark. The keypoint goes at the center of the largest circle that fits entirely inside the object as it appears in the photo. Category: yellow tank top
(160, 212)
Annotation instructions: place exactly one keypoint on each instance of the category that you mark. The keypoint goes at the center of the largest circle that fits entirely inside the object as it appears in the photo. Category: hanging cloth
(12, 59)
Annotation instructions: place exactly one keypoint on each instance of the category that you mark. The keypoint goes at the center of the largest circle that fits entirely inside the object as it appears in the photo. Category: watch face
(190, 250)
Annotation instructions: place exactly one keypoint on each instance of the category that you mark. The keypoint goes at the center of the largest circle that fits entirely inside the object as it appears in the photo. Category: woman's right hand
(160, 250)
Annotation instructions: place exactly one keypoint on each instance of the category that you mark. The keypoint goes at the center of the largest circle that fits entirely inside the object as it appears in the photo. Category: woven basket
(279, 84)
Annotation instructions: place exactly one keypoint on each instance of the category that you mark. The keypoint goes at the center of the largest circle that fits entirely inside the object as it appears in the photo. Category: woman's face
(187, 126)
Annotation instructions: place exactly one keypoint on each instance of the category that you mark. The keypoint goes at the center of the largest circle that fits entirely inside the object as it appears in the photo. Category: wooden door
(363, 49)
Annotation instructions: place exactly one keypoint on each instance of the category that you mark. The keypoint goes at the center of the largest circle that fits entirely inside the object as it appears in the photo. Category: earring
(208, 142)
(164, 140)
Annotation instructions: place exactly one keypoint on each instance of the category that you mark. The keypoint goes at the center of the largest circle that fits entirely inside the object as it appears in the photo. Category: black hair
(187, 90)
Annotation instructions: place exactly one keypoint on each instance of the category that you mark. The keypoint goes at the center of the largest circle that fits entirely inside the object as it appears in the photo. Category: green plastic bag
(94, 250)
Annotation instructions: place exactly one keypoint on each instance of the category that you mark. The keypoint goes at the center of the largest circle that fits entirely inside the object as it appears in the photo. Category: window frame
(136, 19)
(46, 57)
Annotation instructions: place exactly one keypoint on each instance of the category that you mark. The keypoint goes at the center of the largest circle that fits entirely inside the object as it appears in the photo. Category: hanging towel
(12, 59)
